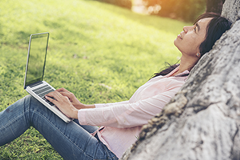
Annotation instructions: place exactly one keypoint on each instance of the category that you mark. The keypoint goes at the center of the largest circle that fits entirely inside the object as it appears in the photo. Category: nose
(188, 28)
(185, 29)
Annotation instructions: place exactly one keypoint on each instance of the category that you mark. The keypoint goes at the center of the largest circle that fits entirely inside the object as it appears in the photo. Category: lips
(180, 36)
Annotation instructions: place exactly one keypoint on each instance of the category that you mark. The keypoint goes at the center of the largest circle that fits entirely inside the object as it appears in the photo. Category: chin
(175, 43)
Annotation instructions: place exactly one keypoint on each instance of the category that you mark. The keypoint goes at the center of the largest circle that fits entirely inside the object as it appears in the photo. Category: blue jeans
(70, 140)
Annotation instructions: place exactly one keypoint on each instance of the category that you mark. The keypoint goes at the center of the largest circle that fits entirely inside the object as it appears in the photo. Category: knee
(22, 105)
(28, 99)
(31, 101)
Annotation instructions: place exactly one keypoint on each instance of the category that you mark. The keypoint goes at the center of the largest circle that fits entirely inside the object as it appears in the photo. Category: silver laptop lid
(37, 52)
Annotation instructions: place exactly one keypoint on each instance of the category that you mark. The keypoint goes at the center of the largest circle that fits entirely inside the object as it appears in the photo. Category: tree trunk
(214, 6)
(202, 121)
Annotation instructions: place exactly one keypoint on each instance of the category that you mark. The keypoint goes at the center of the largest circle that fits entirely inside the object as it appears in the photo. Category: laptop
(33, 82)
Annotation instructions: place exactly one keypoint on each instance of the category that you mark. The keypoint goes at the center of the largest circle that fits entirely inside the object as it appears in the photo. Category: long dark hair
(216, 27)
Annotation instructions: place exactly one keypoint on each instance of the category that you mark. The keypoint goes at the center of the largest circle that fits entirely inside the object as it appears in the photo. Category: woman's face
(189, 40)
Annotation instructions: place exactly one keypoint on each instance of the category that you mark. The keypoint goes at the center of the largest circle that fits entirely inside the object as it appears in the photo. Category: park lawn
(100, 52)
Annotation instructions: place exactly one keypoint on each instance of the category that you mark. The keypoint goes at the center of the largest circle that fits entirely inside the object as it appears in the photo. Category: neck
(186, 63)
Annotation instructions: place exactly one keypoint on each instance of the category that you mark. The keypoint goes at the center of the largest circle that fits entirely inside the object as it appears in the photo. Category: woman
(120, 122)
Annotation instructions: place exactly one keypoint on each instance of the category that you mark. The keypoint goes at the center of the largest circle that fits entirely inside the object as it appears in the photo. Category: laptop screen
(37, 52)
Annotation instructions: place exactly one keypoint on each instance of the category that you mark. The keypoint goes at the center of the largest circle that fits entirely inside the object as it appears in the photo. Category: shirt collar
(175, 70)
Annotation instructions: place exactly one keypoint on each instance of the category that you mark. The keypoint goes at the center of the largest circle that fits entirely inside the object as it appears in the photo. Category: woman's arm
(100, 105)
(127, 115)
(69, 104)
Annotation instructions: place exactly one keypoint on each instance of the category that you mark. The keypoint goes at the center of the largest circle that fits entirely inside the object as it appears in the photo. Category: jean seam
(11, 121)
(108, 154)
(107, 151)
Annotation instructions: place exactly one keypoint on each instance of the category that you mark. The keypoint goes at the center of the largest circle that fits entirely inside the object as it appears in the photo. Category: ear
(198, 55)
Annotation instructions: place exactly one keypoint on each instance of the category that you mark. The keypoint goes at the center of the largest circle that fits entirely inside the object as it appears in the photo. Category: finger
(67, 98)
(51, 94)
(69, 95)
(55, 95)
(51, 100)
(62, 90)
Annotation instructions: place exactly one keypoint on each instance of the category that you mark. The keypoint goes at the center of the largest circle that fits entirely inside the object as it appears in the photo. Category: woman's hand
(63, 103)
(75, 102)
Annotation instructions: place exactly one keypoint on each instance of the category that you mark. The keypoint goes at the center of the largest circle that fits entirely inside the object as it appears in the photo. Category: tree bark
(202, 121)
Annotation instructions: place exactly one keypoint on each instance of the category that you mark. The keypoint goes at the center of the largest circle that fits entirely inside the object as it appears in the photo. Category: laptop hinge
(35, 84)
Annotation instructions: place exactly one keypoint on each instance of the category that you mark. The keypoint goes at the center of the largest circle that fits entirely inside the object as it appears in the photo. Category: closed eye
(195, 29)
(197, 26)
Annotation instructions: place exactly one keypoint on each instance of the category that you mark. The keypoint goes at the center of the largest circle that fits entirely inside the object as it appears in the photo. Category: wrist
(90, 106)
(80, 106)
(75, 114)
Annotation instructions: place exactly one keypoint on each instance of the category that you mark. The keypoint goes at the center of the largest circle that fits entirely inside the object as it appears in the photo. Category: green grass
(100, 52)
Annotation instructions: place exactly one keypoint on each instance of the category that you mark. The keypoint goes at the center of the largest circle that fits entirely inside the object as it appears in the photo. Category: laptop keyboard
(42, 91)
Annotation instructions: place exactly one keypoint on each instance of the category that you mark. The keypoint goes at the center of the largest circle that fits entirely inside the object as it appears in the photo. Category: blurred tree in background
(215, 6)
(187, 10)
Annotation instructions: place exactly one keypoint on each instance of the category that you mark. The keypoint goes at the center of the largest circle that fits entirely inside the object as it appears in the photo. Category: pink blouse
(123, 121)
